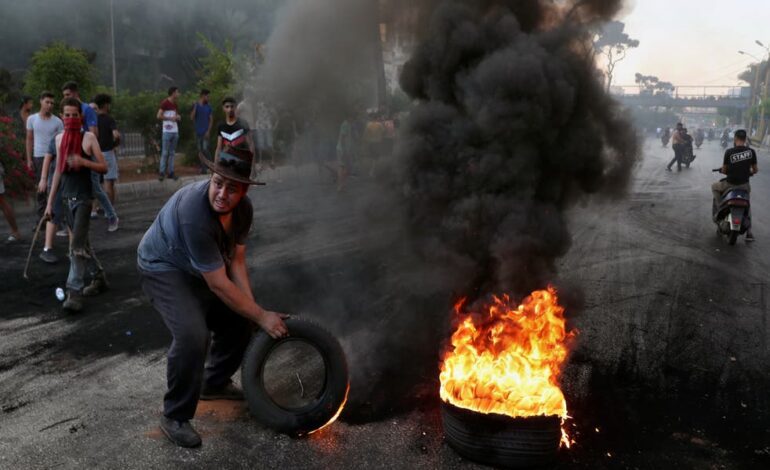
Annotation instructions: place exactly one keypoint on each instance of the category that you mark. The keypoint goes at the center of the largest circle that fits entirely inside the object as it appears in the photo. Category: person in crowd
(168, 114)
(677, 144)
(374, 135)
(266, 123)
(202, 116)
(192, 263)
(344, 153)
(25, 111)
(7, 210)
(78, 155)
(233, 132)
(41, 128)
(109, 139)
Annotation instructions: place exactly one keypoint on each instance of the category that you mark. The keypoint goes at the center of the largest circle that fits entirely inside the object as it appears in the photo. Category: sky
(693, 42)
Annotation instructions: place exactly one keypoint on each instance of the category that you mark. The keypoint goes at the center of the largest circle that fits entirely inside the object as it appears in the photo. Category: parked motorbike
(733, 215)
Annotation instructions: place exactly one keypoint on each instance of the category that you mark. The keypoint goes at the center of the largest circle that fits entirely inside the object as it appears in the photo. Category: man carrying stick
(79, 154)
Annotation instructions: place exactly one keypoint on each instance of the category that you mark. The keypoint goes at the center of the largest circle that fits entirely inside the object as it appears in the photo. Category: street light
(750, 55)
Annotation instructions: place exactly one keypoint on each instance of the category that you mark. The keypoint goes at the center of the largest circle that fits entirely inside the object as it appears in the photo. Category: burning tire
(500, 440)
(295, 407)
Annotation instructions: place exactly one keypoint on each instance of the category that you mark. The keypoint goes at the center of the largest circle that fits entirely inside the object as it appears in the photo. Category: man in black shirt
(739, 164)
(109, 138)
(234, 132)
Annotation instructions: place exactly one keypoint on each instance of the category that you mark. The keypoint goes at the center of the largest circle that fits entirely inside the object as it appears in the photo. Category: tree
(652, 85)
(56, 64)
(612, 43)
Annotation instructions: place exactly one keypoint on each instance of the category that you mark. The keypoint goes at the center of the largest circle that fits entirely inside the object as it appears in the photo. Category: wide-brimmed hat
(234, 163)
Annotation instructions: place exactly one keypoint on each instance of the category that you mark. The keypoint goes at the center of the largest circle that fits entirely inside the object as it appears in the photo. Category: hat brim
(226, 172)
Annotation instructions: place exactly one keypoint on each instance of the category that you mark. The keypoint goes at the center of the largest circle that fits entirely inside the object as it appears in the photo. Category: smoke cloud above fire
(510, 127)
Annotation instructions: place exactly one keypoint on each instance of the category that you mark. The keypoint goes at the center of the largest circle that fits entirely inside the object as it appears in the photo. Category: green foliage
(19, 180)
(217, 68)
(56, 64)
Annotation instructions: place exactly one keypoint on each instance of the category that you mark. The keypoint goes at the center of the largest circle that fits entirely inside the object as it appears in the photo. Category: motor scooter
(733, 215)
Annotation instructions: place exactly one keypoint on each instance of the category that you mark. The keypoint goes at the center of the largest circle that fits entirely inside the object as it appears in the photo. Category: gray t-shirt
(43, 130)
(187, 235)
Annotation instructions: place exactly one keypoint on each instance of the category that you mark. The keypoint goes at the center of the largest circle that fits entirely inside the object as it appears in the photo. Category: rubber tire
(502, 441)
(733, 237)
(302, 421)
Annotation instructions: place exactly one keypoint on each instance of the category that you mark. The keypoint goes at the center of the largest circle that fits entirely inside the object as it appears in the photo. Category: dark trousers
(678, 150)
(192, 313)
(82, 256)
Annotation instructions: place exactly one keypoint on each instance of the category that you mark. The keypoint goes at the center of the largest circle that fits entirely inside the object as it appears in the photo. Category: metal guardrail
(132, 144)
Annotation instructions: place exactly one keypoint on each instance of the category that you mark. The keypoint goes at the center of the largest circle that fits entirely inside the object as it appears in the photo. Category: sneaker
(180, 433)
(112, 224)
(61, 233)
(48, 256)
(225, 392)
(668, 168)
(97, 286)
(749, 237)
(12, 238)
(94, 214)
(74, 301)
(173, 176)
(161, 177)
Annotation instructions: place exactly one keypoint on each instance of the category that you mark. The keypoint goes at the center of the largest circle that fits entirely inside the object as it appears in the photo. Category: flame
(507, 360)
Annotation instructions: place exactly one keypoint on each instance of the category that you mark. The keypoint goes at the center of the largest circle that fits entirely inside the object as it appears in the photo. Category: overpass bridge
(715, 96)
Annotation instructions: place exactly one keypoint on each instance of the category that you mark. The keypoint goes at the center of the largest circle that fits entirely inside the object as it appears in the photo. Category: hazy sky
(694, 42)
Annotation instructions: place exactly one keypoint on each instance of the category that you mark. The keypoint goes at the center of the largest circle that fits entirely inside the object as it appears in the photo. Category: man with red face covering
(79, 154)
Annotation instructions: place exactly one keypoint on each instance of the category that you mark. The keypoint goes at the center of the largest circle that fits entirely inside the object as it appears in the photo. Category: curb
(127, 191)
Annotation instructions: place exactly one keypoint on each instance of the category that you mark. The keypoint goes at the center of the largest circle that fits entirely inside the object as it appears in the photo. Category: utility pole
(112, 36)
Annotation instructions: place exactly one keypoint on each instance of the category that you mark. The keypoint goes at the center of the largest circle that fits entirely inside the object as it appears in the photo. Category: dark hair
(205, 91)
(70, 102)
(679, 124)
(102, 99)
(71, 86)
(24, 100)
(740, 134)
(46, 94)
(228, 99)
(172, 89)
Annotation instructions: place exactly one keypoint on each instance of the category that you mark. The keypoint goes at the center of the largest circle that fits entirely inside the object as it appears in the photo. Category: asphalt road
(670, 367)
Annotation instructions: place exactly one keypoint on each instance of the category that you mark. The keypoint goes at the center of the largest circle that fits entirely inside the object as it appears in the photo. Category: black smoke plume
(511, 129)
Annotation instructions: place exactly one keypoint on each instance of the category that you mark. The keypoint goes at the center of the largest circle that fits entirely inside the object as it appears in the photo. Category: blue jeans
(169, 141)
(203, 149)
(82, 257)
(101, 196)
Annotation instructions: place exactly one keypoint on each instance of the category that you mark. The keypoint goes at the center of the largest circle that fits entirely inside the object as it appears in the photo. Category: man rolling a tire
(192, 262)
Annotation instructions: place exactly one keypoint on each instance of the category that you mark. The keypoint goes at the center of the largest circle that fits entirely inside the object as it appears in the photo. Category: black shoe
(97, 286)
(225, 392)
(180, 433)
(48, 256)
(74, 302)
(173, 177)
(161, 177)
(749, 237)
(668, 168)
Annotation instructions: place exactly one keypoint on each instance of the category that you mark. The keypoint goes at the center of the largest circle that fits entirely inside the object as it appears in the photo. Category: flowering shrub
(19, 180)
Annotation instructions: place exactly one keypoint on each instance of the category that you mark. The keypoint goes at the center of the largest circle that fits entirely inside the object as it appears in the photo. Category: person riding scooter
(739, 164)
(699, 136)
(725, 140)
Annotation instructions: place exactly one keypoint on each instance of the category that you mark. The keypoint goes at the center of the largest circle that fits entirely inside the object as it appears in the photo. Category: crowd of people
(81, 185)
